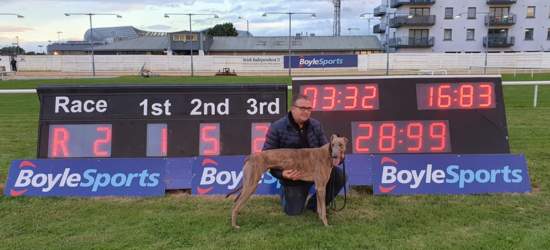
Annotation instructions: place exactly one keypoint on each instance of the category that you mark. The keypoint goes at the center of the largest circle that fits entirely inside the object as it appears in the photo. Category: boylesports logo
(229, 180)
(306, 63)
(30, 177)
(393, 177)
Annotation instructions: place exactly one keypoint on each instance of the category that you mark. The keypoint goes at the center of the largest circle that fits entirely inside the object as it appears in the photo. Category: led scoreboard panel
(461, 115)
(156, 120)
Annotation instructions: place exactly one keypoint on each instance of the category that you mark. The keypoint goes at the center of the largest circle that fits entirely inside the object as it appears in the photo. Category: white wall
(5, 62)
(131, 64)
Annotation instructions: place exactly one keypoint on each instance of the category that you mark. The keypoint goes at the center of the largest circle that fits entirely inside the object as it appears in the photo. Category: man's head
(301, 109)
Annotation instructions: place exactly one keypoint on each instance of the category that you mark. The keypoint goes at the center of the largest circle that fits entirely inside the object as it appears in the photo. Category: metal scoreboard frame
(411, 114)
(156, 120)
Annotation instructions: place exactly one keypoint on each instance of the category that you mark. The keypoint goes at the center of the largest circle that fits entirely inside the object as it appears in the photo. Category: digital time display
(400, 137)
(411, 114)
(456, 96)
(332, 97)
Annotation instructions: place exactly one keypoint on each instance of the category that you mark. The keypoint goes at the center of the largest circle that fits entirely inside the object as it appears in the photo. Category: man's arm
(272, 140)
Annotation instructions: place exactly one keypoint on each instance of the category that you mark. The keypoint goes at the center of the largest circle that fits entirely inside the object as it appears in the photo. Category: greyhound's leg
(321, 202)
(251, 177)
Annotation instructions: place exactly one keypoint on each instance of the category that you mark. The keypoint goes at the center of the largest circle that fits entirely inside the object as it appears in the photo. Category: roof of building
(300, 43)
(106, 33)
(73, 46)
(143, 43)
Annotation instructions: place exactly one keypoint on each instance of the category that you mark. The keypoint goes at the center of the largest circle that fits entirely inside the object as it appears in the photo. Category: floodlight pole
(289, 32)
(167, 15)
(92, 31)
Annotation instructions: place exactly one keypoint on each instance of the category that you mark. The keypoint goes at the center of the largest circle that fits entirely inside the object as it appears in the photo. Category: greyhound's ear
(346, 140)
(332, 137)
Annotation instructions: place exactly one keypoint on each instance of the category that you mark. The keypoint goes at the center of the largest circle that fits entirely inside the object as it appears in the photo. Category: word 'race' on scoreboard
(156, 121)
(460, 115)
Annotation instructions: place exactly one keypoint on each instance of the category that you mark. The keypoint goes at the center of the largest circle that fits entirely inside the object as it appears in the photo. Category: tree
(226, 29)
(12, 50)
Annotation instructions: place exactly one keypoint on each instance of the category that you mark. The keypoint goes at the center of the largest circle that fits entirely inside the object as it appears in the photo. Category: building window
(529, 34)
(449, 13)
(531, 11)
(470, 34)
(500, 12)
(448, 35)
(548, 35)
(184, 37)
(419, 11)
(471, 12)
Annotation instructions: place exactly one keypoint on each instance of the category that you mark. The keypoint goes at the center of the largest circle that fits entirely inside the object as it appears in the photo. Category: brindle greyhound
(315, 164)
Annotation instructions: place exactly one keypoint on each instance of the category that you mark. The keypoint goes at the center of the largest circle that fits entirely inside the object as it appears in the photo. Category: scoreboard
(459, 115)
(156, 120)
(380, 115)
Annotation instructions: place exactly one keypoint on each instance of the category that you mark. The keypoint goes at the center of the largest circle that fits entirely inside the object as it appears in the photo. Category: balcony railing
(412, 42)
(380, 10)
(499, 42)
(399, 21)
(379, 29)
(502, 1)
(492, 20)
(398, 3)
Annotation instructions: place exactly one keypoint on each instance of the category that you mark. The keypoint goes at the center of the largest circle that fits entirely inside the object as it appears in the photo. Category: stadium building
(129, 40)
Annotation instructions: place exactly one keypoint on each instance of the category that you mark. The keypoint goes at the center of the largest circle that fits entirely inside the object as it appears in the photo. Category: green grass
(30, 84)
(498, 221)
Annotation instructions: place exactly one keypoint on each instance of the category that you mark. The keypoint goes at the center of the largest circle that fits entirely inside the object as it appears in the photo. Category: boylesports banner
(450, 174)
(86, 177)
(322, 61)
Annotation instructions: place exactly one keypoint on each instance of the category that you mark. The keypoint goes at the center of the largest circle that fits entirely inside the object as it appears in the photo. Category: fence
(406, 63)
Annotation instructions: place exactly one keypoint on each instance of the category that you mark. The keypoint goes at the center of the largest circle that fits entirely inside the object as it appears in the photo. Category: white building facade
(464, 26)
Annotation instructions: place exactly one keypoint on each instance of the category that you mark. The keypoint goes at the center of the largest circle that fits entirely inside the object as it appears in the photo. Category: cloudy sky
(44, 18)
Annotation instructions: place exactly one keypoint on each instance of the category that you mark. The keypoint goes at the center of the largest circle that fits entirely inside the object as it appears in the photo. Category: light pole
(12, 14)
(92, 31)
(167, 15)
(290, 14)
(18, 16)
(247, 26)
(486, 46)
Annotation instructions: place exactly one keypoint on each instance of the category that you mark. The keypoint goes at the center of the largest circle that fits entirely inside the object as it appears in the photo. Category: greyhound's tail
(240, 187)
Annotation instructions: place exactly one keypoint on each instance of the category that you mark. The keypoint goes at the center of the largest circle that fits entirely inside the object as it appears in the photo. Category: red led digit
(164, 142)
(443, 99)
(431, 99)
(61, 137)
(209, 140)
(331, 98)
(371, 93)
(486, 95)
(259, 130)
(352, 97)
(414, 132)
(106, 140)
(466, 96)
(438, 131)
(311, 92)
(364, 136)
(388, 137)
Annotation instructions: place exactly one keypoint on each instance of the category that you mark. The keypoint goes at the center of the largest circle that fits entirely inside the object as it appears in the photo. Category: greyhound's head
(337, 149)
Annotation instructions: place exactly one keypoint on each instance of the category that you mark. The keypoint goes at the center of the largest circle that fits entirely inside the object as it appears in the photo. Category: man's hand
(292, 174)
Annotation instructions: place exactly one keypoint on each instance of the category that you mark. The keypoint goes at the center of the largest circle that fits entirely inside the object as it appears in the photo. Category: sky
(44, 20)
